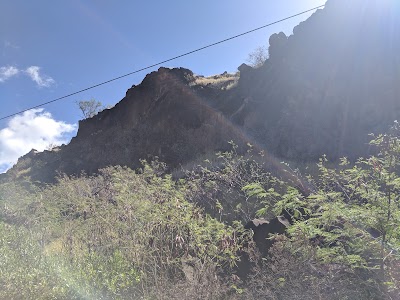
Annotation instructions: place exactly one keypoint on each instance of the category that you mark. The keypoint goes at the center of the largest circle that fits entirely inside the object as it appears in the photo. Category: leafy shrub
(345, 231)
(125, 234)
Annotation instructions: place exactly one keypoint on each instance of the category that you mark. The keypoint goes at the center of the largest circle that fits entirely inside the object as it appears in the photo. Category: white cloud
(34, 129)
(7, 72)
(41, 80)
(33, 72)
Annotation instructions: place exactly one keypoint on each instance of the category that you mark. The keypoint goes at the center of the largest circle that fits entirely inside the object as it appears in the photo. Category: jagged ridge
(321, 91)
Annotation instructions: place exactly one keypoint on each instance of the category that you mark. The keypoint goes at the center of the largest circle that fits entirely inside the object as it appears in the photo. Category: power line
(162, 62)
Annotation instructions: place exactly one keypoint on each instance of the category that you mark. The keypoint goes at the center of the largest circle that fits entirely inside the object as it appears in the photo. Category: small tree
(258, 57)
(90, 108)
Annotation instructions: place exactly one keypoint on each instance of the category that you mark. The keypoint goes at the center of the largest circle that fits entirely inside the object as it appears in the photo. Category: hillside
(238, 225)
(321, 91)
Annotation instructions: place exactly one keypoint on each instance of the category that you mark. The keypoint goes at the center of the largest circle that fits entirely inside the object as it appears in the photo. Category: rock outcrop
(172, 115)
(322, 91)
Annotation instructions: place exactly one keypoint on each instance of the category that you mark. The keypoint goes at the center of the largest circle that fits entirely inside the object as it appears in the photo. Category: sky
(49, 49)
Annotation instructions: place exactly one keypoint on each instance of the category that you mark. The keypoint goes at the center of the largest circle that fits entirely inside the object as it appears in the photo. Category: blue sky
(51, 48)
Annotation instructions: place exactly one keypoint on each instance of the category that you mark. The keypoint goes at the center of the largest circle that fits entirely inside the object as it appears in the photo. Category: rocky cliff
(172, 114)
(321, 91)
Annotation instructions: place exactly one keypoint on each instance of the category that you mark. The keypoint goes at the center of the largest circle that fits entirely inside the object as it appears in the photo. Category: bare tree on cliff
(90, 108)
(258, 57)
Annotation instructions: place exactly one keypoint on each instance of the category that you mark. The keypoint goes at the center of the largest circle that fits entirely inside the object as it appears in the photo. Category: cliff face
(172, 114)
(321, 91)
(326, 87)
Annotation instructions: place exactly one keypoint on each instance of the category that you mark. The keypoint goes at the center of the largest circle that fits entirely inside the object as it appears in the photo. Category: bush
(345, 231)
(122, 234)
(126, 234)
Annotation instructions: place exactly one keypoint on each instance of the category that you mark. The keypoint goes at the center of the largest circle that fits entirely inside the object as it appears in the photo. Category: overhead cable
(161, 62)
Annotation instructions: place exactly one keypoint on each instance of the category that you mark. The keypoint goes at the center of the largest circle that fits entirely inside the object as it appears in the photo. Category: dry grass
(224, 81)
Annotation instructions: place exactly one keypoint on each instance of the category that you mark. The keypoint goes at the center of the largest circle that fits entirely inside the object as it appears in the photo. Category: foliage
(292, 271)
(124, 234)
(347, 226)
(18, 250)
(221, 185)
(116, 235)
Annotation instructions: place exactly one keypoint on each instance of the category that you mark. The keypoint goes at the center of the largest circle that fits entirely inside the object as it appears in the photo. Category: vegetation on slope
(126, 234)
